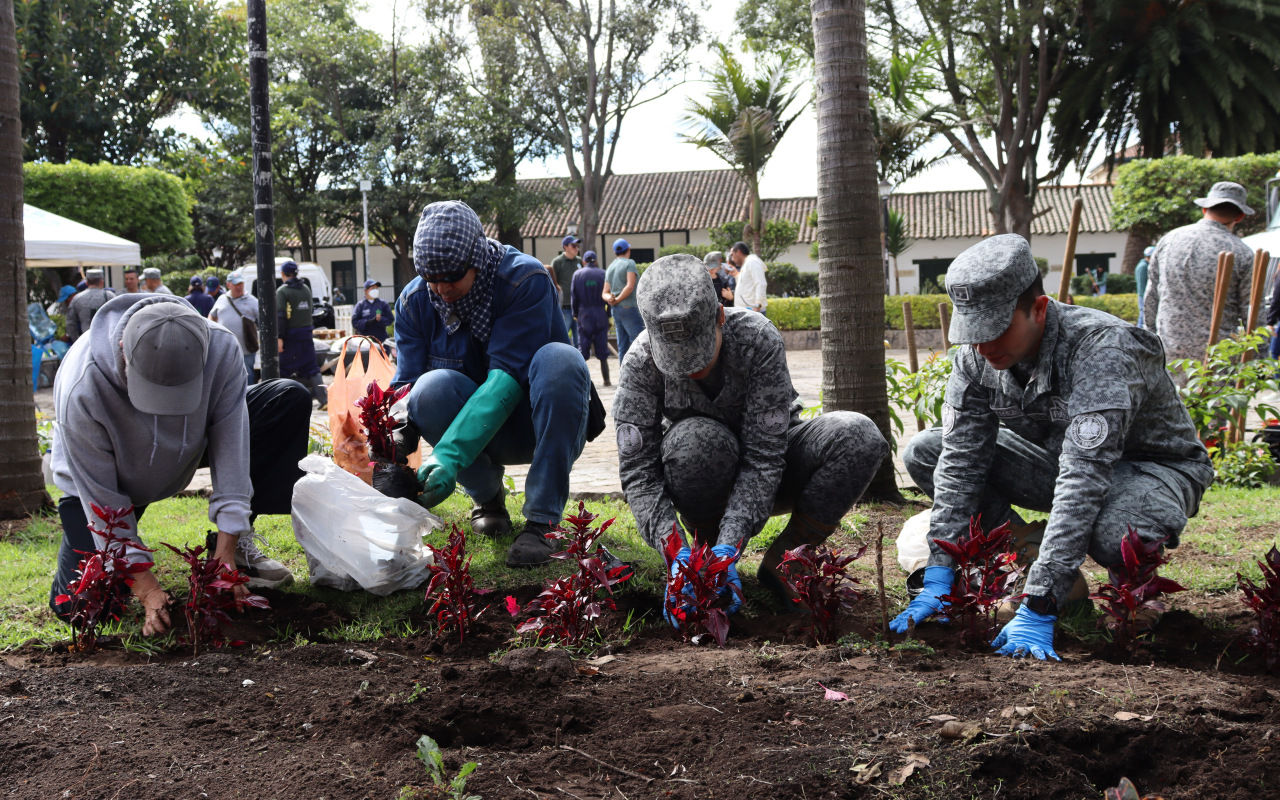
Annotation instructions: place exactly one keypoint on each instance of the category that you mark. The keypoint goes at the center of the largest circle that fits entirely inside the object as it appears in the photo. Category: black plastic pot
(395, 480)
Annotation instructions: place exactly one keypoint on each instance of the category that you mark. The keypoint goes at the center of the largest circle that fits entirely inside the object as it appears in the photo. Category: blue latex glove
(437, 481)
(722, 550)
(937, 582)
(735, 598)
(1027, 633)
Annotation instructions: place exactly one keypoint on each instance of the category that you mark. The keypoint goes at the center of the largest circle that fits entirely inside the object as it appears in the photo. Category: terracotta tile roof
(940, 215)
(643, 203)
(675, 201)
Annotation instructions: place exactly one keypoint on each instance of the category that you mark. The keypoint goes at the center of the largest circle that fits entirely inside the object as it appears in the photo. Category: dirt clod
(549, 663)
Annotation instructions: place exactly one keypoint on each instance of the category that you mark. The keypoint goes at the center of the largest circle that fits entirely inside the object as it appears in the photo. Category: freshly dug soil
(746, 721)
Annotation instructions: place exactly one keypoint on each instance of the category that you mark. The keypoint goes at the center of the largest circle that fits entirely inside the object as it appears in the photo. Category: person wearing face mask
(710, 439)
(152, 392)
(1054, 408)
(371, 315)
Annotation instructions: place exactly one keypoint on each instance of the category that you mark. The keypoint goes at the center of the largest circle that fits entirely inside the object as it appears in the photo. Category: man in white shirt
(751, 281)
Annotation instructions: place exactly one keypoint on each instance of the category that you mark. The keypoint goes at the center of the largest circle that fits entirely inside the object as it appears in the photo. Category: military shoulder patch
(630, 440)
(1088, 431)
(774, 421)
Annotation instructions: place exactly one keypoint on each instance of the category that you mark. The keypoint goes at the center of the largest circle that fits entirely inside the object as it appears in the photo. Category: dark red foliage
(211, 595)
(1133, 586)
(104, 580)
(984, 576)
(693, 597)
(819, 575)
(375, 416)
(451, 592)
(567, 608)
(1264, 640)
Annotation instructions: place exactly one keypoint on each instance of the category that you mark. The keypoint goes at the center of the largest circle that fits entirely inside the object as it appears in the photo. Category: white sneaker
(263, 572)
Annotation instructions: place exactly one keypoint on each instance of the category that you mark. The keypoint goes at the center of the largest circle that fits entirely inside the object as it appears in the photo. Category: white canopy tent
(54, 241)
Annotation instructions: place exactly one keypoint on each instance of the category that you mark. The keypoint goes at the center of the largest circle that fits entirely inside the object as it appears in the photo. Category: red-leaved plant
(568, 607)
(984, 576)
(693, 597)
(104, 579)
(1133, 586)
(390, 478)
(211, 595)
(451, 593)
(1264, 640)
(820, 576)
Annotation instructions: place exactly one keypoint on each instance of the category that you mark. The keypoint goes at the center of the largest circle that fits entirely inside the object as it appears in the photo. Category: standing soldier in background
(1183, 271)
(84, 305)
(152, 283)
(297, 351)
(131, 280)
(709, 429)
(592, 312)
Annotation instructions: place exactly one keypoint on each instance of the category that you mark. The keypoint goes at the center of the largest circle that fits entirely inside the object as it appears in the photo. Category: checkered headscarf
(449, 241)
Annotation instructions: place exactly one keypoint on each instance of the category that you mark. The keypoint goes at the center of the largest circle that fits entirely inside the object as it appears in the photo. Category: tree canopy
(1156, 194)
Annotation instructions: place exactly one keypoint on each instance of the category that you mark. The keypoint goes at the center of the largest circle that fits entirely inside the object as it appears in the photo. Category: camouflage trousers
(1153, 498)
(830, 462)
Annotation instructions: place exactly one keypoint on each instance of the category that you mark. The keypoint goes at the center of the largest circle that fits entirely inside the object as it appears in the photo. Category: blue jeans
(629, 325)
(248, 367)
(547, 430)
(571, 324)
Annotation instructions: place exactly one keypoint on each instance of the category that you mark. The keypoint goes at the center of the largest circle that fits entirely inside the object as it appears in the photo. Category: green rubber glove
(467, 435)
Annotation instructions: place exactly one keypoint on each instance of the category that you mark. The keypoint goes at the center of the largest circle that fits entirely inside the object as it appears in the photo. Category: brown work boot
(801, 529)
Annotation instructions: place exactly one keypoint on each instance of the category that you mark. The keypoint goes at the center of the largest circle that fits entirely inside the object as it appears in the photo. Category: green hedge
(1156, 194)
(795, 314)
(802, 314)
(698, 250)
(141, 204)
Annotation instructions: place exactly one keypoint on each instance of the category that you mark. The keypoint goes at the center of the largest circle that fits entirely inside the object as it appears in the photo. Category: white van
(312, 275)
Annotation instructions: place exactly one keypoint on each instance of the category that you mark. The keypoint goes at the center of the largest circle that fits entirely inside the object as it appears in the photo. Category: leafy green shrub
(1081, 286)
(179, 281)
(1042, 264)
(1242, 465)
(785, 280)
(1119, 283)
(795, 314)
(1155, 195)
(699, 250)
(141, 204)
(924, 310)
(1124, 306)
(779, 234)
(1211, 394)
(920, 393)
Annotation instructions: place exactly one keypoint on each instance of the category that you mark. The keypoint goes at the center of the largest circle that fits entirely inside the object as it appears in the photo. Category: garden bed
(327, 716)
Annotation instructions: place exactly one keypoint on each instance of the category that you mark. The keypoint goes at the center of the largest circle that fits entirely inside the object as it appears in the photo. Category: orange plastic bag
(350, 444)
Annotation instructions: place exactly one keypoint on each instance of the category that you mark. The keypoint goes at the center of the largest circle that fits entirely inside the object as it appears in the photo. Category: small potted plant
(390, 478)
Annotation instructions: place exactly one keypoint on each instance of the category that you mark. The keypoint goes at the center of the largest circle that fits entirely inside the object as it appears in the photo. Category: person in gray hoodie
(151, 393)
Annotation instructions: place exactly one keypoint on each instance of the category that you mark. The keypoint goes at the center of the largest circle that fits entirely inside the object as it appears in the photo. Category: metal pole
(263, 217)
(364, 193)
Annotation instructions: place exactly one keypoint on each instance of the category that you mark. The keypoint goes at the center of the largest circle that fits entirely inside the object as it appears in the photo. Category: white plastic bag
(355, 536)
(913, 543)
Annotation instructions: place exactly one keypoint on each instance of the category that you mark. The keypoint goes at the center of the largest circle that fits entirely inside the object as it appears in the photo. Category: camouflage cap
(677, 302)
(984, 283)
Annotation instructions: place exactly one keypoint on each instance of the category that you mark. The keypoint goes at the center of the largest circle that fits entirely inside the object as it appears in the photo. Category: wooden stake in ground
(1225, 263)
(1260, 259)
(1069, 258)
(884, 603)
(913, 362)
(945, 316)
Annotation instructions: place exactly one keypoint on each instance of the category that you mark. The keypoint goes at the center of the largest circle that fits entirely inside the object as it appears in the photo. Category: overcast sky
(649, 142)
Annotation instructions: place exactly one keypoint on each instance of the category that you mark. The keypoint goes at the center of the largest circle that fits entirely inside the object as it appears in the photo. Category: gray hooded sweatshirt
(107, 452)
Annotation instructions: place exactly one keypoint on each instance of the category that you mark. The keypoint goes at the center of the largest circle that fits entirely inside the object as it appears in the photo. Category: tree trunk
(1140, 238)
(21, 480)
(850, 270)
(755, 224)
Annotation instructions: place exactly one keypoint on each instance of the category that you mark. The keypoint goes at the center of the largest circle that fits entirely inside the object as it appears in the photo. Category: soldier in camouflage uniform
(83, 307)
(709, 428)
(1054, 408)
(1182, 275)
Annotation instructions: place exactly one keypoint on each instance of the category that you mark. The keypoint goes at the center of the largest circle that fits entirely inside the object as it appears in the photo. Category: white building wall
(1050, 247)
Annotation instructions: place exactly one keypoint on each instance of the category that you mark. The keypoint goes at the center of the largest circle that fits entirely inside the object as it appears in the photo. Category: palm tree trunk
(850, 270)
(756, 224)
(21, 482)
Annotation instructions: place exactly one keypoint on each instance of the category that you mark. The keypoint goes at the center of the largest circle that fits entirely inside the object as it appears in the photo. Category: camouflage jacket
(1099, 394)
(1181, 277)
(757, 402)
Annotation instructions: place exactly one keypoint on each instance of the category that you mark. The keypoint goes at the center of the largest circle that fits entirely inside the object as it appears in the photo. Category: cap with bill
(984, 283)
(166, 346)
(212, 282)
(235, 278)
(369, 284)
(589, 257)
(196, 280)
(620, 246)
(93, 274)
(570, 239)
(1226, 192)
(677, 302)
(151, 272)
(289, 268)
